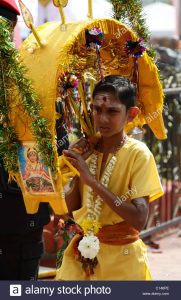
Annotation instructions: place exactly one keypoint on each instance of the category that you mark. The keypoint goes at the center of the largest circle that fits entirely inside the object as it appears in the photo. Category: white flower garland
(89, 246)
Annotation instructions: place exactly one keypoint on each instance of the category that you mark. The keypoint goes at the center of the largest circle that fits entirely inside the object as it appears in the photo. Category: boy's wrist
(93, 183)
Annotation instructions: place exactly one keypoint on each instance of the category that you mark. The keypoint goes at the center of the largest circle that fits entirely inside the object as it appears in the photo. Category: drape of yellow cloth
(135, 175)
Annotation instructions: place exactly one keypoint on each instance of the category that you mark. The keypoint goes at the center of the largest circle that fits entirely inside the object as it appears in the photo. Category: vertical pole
(90, 9)
(62, 14)
(179, 18)
(177, 4)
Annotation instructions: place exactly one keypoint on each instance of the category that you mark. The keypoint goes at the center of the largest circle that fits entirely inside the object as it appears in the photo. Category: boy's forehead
(106, 100)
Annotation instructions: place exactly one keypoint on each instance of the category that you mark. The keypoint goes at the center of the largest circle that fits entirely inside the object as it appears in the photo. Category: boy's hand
(77, 160)
(83, 146)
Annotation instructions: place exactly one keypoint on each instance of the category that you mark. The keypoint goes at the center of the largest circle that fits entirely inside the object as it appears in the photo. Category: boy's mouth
(104, 128)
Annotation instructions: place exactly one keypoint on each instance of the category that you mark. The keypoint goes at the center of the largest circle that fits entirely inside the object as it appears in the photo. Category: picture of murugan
(36, 177)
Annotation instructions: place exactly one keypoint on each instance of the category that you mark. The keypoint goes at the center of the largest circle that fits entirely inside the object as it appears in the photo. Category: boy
(110, 200)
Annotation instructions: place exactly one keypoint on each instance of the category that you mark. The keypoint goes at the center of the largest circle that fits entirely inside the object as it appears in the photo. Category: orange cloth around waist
(118, 234)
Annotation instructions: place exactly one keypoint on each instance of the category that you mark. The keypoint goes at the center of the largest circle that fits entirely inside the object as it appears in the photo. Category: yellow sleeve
(144, 179)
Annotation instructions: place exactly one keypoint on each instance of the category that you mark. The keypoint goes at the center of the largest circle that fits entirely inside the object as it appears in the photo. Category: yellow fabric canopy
(66, 51)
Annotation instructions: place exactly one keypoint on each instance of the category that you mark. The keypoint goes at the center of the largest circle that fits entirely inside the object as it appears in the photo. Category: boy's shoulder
(137, 146)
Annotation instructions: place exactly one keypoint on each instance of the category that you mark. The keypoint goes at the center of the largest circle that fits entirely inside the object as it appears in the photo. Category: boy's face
(110, 115)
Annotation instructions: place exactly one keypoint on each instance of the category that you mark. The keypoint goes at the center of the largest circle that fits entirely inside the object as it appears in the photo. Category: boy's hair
(120, 87)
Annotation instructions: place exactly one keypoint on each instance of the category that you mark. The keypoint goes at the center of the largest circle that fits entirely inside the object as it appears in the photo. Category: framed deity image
(35, 176)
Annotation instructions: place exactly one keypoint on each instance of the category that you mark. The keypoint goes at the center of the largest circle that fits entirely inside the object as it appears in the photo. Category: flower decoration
(88, 223)
(72, 91)
(68, 83)
(135, 49)
(94, 38)
(89, 245)
(68, 88)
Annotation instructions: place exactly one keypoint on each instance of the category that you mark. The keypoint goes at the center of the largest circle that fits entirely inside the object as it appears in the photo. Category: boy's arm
(134, 212)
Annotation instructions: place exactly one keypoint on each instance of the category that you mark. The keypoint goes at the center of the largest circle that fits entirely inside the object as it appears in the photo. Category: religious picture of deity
(35, 175)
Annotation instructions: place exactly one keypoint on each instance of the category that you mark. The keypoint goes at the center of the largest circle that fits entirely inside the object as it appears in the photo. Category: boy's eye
(96, 109)
(109, 111)
(113, 111)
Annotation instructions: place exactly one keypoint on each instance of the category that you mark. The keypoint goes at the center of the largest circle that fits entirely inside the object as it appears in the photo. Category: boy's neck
(108, 144)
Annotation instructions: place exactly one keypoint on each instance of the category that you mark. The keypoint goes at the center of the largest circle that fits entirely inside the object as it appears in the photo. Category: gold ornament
(44, 2)
(63, 3)
(90, 9)
(27, 16)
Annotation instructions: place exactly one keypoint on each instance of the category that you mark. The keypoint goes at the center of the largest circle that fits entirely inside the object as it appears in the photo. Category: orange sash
(118, 234)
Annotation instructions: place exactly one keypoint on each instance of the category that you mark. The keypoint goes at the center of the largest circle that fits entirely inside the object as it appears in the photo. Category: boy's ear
(132, 113)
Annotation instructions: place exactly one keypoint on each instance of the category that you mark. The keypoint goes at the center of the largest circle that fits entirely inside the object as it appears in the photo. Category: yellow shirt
(135, 175)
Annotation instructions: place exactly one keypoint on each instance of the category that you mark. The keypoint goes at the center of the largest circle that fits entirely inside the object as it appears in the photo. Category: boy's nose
(104, 119)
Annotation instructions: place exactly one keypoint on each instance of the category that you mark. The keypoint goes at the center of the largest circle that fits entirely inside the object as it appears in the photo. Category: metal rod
(90, 9)
(172, 91)
(165, 225)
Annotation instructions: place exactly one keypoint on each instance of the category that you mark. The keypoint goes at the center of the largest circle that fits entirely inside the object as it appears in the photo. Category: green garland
(132, 11)
(12, 73)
